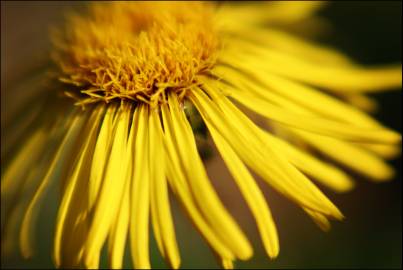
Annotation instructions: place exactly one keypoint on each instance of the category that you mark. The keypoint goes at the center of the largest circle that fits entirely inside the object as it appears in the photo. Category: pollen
(136, 53)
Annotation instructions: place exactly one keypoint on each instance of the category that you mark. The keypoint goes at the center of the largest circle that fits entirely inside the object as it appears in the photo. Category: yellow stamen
(150, 49)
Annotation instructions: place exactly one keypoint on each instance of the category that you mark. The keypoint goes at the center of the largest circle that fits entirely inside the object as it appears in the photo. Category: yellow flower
(139, 72)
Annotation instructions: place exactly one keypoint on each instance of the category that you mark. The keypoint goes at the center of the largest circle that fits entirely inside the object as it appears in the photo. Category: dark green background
(371, 235)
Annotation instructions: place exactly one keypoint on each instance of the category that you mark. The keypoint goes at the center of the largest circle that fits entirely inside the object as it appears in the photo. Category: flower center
(136, 51)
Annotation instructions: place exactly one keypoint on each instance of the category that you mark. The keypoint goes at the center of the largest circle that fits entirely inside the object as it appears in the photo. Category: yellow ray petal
(178, 183)
(227, 264)
(17, 194)
(384, 151)
(287, 12)
(322, 172)
(361, 101)
(155, 158)
(303, 96)
(320, 220)
(294, 45)
(256, 153)
(241, 82)
(140, 193)
(263, 60)
(156, 227)
(356, 158)
(16, 207)
(334, 108)
(278, 12)
(29, 221)
(120, 226)
(112, 189)
(119, 229)
(205, 229)
(13, 176)
(316, 124)
(252, 194)
(94, 262)
(159, 192)
(69, 203)
(101, 154)
(204, 193)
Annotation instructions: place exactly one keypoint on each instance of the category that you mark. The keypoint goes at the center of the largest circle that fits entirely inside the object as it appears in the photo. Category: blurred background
(371, 235)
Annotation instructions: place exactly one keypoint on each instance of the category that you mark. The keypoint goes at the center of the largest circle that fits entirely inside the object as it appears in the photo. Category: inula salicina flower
(117, 134)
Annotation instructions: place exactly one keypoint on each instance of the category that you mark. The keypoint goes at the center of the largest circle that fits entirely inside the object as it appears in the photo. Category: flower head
(137, 70)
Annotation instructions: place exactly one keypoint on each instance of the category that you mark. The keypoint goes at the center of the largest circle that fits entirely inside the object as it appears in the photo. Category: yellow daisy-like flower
(139, 73)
